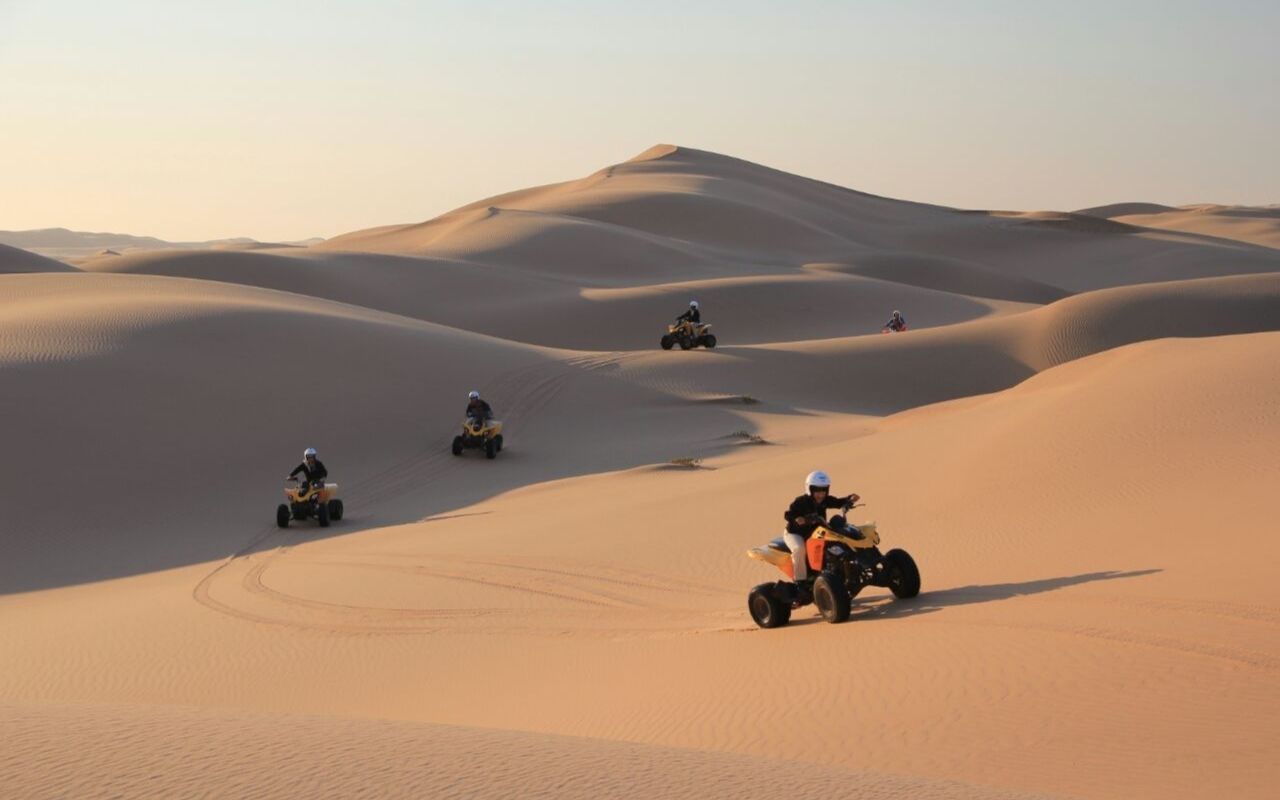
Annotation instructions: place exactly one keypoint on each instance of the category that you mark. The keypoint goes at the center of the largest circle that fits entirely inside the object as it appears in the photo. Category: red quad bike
(843, 559)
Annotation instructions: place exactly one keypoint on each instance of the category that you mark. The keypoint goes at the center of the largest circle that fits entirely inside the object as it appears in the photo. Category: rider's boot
(803, 595)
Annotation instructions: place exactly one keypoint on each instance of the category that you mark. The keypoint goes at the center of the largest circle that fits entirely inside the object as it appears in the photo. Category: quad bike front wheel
(335, 510)
(282, 515)
(831, 598)
(767, 608)
(457, 445)
(491, 448)
(685, 343)
(668, 342)
(709, 340)
(903, 574)
(498, 440)
(322, 514)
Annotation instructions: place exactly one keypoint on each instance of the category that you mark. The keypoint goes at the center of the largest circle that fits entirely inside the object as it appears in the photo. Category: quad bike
(687, 335)
(317, 500)
(479, 434)
(843, 559)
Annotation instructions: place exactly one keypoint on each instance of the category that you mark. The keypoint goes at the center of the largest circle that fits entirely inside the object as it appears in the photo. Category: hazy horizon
(282, 121)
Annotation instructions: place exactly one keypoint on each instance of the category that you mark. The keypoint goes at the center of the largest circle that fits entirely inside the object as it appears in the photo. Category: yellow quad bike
(317, 501)
(688, 335)
(479, 434)
(843, 559)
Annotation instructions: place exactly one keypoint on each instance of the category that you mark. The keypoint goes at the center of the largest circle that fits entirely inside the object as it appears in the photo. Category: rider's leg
(799, 558)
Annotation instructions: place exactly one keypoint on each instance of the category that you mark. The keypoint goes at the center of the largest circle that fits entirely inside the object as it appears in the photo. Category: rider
(311, 468)
(803, 516)
(693, 316)
(478, 409)
(897, 322)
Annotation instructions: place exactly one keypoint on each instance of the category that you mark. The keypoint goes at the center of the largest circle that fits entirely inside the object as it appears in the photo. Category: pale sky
(284, 120)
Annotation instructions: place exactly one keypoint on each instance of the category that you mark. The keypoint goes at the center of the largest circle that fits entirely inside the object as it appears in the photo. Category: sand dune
(1076, 440)
(72, 246)
(13, 259)
(228, 754)
(701, 214)
(885, 374)
(513, 303)
(1251, 224)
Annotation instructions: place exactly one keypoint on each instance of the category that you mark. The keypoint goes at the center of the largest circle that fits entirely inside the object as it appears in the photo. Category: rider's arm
(319, 473)
(297, 469)
(796, 513)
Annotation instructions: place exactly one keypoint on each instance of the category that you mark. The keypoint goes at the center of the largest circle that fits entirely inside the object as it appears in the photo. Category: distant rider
(478, 409)
(311, 468)
(804, 514)
(897, 323)
(693, 316)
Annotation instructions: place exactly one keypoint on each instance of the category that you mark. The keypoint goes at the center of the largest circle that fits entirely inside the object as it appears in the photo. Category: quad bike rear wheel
(668, 342)
(322, 514)
(335, 510)
(903, 574)
(767, 608)
(282, 515)
(709, 340)
(457, 445)
(490, 448)
(831, 598)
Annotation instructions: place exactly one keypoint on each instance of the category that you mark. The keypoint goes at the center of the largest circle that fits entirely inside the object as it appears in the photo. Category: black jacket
(896, 323)
(692, 315)
(318, 473)
(479, 409)
(805, 506)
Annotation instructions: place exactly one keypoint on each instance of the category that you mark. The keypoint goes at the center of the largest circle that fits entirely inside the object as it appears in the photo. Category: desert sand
(1076, 440)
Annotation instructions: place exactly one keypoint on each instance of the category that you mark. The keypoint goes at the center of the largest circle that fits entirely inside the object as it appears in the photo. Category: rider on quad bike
(312, 468)
(693, 315)
(478, 409)
(802, 516)
(688, 331)
(313, 497)
(897, 323)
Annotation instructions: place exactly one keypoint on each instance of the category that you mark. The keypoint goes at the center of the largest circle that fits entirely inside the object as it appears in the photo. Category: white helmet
(474, 395)
(817, 480)
(310, 452)
(693, 304)
(897, 313)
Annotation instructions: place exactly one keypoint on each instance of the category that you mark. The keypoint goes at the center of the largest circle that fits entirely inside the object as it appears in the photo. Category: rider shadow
(887, 607)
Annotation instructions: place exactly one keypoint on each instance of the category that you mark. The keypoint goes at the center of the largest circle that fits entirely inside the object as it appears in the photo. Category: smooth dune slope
(14, 260)
(885, 374)
(677, 209)
(516, 304)
(230, 754)
(1259, 225)
(171, 408)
